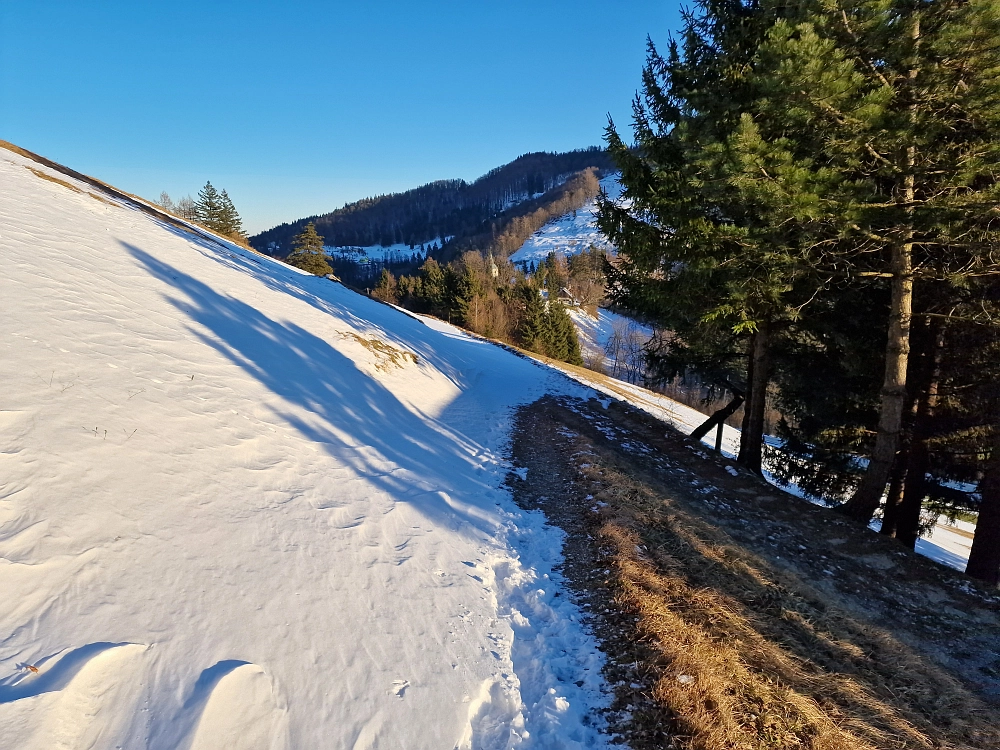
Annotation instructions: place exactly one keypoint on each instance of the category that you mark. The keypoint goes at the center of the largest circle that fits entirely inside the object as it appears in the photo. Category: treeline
(811, 211)
(492, 298)
(447, 208)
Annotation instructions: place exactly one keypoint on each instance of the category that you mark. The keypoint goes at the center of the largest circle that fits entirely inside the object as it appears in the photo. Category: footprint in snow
(399, 687)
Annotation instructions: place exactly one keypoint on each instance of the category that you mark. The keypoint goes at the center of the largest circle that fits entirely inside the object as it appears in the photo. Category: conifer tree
(229, 222)
(308, 252)
(699, 253)
(532, 331)
(208, 207)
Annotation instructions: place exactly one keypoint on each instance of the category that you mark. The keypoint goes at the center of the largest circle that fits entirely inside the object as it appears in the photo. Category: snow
(594, 333)
(569, 234)
(396, 253)
(243, 507)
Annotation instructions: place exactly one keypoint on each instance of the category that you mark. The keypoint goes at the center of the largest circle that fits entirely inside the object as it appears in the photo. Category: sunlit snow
(569, 234)
(243, 507)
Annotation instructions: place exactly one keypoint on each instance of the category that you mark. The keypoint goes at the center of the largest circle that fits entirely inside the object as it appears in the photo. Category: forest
(811, 216)
(496, 299)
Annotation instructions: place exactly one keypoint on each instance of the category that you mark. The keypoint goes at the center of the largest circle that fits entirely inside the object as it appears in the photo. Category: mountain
(443, 212)
(245, 507)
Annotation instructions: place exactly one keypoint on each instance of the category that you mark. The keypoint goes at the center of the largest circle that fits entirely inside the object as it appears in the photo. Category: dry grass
(386, 355)
(74, 188)
(737, 619)
(750, 661)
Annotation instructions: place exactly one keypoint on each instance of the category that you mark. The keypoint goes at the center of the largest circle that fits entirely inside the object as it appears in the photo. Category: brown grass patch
(386, 355)
(74, 188)
(744, 653)
(767, 667)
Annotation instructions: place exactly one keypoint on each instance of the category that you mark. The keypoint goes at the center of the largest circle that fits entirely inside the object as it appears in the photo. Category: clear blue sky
(297, 107)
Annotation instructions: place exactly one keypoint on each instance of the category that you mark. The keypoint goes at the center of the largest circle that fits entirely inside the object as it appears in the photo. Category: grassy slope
(736, 616)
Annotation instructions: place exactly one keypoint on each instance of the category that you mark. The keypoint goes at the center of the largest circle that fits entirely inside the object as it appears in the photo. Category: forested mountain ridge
(445, 208)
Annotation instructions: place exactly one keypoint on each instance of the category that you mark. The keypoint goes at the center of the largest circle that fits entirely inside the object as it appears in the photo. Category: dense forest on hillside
(446, 208)
(498, 300)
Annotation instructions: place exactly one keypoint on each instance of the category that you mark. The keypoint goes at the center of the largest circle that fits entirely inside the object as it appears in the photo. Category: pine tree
(532, 330)
(308, 252)
(386, 289)
(229, 222)
(208, 208)
(700, 252)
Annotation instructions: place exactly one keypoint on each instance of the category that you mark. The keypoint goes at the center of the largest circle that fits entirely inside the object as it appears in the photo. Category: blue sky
(297, 107)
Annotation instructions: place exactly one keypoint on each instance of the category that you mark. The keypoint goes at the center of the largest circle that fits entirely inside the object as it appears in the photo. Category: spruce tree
(308, 252)
(700, 254)
(229, 222)
(208, 208)
(532, 330)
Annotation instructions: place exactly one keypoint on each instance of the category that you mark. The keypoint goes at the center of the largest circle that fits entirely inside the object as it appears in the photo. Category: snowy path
(245, 508)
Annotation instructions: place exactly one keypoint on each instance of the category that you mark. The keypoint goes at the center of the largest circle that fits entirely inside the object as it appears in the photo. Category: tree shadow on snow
(436, 467)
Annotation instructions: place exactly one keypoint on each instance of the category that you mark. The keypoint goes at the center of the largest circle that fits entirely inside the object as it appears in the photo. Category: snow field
(569, 234)
(243, 507)
(594, 333)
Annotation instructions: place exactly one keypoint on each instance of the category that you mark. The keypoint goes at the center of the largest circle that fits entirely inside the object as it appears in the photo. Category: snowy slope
(397, 253)
(594, 333)
(569, 234)
(242, 507)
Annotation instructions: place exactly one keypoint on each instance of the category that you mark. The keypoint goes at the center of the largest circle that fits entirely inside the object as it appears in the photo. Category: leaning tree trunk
(758, 372)
(718, 417)
(984, 561)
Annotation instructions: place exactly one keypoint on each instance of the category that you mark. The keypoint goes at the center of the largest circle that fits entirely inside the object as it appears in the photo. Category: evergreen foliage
(213, 210)
(509, 307)
(208, 207)
(798, 166)
(308, 253)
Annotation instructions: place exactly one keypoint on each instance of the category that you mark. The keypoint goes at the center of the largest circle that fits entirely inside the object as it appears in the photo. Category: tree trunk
(914, 491)
(984, 561)
(928, 377)
(752, 437)
(745, 425)
(867, 497)
(895, 495)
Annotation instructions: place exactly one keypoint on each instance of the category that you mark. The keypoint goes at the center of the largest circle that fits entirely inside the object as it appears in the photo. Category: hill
(451, 210)
(245, 507)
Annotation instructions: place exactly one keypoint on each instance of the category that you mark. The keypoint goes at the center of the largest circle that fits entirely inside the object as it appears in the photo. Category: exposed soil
(734, 615)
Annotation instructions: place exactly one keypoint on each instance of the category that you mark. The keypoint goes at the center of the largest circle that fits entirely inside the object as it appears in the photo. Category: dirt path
(737, 616)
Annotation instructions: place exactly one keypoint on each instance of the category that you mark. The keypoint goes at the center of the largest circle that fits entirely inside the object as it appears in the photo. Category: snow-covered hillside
(569, 234)
(243, 507)
(398, 253)
(596, 333)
